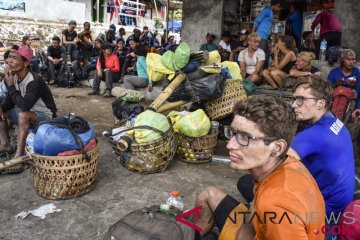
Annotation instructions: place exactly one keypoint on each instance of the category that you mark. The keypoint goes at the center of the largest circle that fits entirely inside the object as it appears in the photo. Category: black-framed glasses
(244, 138)
(299, 100)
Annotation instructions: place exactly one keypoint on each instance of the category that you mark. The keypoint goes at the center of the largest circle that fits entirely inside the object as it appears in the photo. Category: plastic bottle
(175, 201)
(30, 141)
(323, 46)
(130, 123)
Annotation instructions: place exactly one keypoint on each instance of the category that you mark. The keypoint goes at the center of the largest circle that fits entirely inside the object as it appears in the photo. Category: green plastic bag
(181, 56)
(249, 86)
(191, 124)
(167, 60)
(152, 119)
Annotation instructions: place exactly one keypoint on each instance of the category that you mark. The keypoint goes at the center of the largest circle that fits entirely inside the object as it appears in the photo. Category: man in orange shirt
(288, 203)
(107, 69)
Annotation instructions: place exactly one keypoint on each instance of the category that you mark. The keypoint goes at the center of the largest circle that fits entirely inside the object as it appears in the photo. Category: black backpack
(66, 77)
(122, 109)
(149, 224)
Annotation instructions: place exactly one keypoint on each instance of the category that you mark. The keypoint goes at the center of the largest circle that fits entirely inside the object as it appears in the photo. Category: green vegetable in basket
(152, 119)
(191, 124)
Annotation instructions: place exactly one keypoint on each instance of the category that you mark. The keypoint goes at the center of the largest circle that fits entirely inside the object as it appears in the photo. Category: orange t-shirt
(290, 202)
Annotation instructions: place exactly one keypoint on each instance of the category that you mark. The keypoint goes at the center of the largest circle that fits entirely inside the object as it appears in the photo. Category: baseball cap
(25, 52)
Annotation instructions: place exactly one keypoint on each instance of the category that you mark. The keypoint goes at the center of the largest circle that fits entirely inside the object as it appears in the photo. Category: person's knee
(24, 118)
(208, 193)
(274, 73)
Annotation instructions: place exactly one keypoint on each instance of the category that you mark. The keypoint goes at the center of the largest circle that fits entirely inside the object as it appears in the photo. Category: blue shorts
(14, 116)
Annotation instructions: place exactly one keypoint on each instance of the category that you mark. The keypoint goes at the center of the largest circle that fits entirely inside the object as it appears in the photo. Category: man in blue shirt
(347, 75)
(295, 19)
(325, 145)
(262, 26)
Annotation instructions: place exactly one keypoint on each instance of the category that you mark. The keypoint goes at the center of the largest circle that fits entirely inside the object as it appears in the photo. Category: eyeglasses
(243, 138)
(299, 100)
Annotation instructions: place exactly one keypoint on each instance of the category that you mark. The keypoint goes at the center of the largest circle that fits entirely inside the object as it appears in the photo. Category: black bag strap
(163, 134)
(65, 123)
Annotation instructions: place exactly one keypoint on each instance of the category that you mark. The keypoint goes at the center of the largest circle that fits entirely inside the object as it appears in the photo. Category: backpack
(123, 109)
(333, 54)
(66, 77)
(149, 223)
(343, 102)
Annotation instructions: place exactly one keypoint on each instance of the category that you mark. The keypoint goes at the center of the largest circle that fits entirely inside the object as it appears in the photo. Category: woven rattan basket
(223, 106)
(195, 150)
(148, 157)
(63, 177)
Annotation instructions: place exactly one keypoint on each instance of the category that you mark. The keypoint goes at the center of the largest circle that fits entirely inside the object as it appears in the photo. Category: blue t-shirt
(336, 74)
(264, 21)
(296, 23)
(326, 150)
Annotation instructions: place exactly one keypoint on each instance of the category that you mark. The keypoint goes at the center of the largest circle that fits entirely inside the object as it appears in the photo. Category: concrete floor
(117, 191)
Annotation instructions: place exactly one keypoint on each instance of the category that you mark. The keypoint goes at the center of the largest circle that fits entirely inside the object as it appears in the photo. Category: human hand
(132, 54)
(99, 73)
(130, 69)
(150, 87)
(356, 113)
(106, 69)
(9, 76)
(339, 82)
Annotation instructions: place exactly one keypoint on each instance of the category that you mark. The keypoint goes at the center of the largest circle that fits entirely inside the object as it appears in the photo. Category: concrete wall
(50, 10)
(347, 12)
(199, 18)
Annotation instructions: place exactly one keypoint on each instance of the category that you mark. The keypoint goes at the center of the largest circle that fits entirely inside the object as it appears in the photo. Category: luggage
(66, 77)
(344, 102)
(149, 223)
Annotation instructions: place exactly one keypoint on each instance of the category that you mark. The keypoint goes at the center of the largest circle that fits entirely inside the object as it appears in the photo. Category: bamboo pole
(169, 106)
(13, 162)
(167, 92)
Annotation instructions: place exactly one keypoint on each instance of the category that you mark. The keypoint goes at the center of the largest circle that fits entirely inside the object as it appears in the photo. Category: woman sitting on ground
(252, 59)
(302, 67)
(141, 80)
(279, 70)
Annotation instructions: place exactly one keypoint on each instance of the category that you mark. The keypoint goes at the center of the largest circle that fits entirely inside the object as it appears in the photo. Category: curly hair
(274, 117)
(321, 89)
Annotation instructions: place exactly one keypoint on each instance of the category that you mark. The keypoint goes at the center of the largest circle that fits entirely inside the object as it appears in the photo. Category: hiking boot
(107, 94)
(94, 92)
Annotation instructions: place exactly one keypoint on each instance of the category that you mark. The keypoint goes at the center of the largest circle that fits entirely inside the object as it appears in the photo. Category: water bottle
(131, 122)
(175, 201)
(30, 141)
(323, 46)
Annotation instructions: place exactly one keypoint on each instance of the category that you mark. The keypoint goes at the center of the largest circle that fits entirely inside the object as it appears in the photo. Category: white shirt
(224, 46)
(250, 62)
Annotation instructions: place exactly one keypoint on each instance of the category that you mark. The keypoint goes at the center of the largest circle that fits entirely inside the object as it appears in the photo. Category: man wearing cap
(240, 45)
(209, 45)
(29, 100)
(69, 38)
(347, 75)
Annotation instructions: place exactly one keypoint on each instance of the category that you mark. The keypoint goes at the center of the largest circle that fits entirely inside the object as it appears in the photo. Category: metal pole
(137, 12)
(157, 13)
(97, 10)
(167, 20)
(172, 21)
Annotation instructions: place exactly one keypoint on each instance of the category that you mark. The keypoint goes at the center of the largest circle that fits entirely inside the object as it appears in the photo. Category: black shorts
(223, 210)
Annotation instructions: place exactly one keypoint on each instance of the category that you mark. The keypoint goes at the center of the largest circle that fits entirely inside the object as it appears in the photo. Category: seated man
(209, 45)
(226, 45)
(29, 100)
(252, 59)
(325, 145)
(347, 75)
(56, 55)
(240, 44)
(259, 137)
(69, 40)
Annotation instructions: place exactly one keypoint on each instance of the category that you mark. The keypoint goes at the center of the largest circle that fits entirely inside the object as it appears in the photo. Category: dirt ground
(117, 191)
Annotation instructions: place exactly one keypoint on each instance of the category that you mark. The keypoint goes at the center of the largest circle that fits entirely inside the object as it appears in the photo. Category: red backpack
(343, 102)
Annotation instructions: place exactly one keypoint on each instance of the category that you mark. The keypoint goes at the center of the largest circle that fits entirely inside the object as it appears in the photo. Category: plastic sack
(50, 140)
(249, 86)
(122, 109)
(167, 60)
(155, 69)
(152, 119)
(183, 92)
(234, 69)
(226, 73)
(214, 59)
(181, 56)
(191, 124)
(210, 87)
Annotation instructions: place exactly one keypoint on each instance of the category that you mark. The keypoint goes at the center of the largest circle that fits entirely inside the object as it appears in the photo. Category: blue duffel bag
(58, 135)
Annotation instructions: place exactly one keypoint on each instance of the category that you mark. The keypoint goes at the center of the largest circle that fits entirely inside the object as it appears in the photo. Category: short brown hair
(321, 89)
(274, 117)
